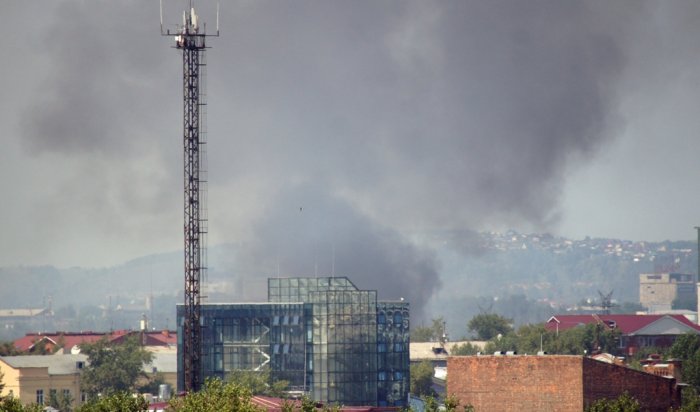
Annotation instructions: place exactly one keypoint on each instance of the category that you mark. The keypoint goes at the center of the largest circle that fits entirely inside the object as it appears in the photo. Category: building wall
(517, 383)
(24, 383)
(552, 383)
(323, 335)
(600, 380)
(663, 288)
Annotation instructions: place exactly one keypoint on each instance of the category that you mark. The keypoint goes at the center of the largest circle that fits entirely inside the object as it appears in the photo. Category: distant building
(326, 337)
(658, 291)
(32, 379)
(552, 383)
(70, 341)
(637, 331)
(21, 319)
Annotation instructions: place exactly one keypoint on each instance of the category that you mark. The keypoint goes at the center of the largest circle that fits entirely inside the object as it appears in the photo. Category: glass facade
(323, 335)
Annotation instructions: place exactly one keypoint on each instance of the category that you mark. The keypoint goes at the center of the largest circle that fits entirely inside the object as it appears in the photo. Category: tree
(690, 401)
(216, 396)
(465, 350)
(62, 401)
(7, 348)
(259, 382)
(687, 348)
(113, 367)
(489, 325)
(422, 379)
(12, 404)
(432, 333)
(624, 403)
(115, 402)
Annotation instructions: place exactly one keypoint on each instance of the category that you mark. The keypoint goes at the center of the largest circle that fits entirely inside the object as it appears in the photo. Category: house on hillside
(637, 331)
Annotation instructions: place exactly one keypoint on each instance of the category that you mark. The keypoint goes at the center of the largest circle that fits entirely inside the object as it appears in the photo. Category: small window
(40, 396)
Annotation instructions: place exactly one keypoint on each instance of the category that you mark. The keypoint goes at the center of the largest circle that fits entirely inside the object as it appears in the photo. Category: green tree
(624, 403)
(307, 404)
(7, 348)
(687, 348)
(216, 396)
(433, 333)
(61, 400)
(153, 384)
(12, 404)
(115, 402)
(690, 401)
(464, 350)
(451, 403)
(422, 379)
(489, 325)
(259, 382)
(113, 367)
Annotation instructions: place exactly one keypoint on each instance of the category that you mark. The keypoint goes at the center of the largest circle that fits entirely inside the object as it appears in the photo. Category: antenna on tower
(191, 39)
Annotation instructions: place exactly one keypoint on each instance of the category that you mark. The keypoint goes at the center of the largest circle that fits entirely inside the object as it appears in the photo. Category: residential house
(637, 331)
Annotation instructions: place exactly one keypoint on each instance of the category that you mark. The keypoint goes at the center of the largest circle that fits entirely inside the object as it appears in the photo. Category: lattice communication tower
(191, 39)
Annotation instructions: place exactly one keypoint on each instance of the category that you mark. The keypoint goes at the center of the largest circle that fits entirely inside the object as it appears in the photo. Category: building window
(40, 396)
(66, 394)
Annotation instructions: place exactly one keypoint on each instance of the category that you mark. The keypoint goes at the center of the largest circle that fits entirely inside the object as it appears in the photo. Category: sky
(348, 128)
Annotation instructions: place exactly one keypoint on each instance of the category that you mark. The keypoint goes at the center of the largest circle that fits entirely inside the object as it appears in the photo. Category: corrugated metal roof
(627, 324)
(56, 364)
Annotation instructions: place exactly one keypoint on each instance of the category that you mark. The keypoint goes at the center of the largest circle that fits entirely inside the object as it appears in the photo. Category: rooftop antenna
(190, 38)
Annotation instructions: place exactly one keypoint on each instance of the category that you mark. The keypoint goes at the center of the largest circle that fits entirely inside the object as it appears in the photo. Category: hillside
(523, 276)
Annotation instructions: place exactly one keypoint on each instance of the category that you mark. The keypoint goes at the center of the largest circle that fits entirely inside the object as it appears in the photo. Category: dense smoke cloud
(391, 118)
(306, 231)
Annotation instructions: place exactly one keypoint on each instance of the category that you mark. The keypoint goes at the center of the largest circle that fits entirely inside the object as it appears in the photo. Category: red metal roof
(69, 339)
(627, 324)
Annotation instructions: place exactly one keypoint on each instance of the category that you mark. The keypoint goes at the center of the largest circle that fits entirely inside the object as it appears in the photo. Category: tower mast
(191, 39)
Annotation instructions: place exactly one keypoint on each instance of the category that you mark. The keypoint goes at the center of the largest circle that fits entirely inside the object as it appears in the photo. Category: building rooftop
(56, 364)
(627, 324)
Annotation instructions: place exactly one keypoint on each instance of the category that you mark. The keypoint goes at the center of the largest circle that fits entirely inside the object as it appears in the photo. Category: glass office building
(323, 335)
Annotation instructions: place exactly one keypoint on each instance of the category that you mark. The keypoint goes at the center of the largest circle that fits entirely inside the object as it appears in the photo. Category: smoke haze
(380, 120)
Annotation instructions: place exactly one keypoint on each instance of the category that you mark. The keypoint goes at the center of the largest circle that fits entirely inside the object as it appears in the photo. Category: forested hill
(555, 268)
(507, 272)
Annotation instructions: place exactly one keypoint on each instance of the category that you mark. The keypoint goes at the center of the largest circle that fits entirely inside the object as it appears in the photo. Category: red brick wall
(551, 383)
(517, 383)
(601, 380)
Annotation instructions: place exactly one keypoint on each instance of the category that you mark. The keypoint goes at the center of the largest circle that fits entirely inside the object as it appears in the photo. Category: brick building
(559, 383)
